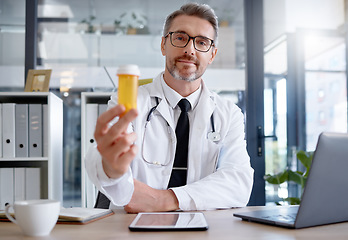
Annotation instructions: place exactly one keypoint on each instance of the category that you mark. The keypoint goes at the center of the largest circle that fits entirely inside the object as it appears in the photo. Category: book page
(82, 214)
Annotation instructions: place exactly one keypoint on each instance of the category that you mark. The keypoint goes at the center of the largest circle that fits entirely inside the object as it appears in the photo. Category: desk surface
(222, 225)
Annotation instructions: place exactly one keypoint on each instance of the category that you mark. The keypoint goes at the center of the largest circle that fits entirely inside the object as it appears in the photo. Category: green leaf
(305, 158)
(296, 177)
(277, 178)
(293, 200)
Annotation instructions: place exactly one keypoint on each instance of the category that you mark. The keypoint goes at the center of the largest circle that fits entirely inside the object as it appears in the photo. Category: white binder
(35, 130)
(22, 130)
(1, 130)
(19, 184)
(45, 130)
(102, 108)
(91, 121)
(6, 187)
(32, 183)
(8, 127)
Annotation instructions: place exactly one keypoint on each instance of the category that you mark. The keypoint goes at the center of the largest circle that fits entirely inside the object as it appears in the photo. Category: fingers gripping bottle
(128, 76)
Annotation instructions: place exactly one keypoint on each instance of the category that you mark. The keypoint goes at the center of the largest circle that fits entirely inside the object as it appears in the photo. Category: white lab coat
(219, 173)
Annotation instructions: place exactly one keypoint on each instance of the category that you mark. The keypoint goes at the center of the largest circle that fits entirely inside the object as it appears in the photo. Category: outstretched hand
(114, 143)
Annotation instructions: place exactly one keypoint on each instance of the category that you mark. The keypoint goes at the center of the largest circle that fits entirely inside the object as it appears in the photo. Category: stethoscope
(212, 136)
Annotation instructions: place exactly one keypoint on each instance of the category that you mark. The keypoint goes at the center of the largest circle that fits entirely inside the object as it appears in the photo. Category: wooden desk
(222, 225)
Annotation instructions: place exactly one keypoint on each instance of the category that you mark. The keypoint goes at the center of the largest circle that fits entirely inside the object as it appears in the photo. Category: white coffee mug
(35, 217)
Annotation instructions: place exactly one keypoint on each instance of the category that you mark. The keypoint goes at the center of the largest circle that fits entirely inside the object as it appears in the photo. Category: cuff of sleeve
(119, 190)
(103, 178)
(185, 201)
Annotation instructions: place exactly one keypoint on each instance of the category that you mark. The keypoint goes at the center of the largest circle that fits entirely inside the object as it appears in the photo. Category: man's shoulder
(225, 105)
(223, 101)
(149, 88)
(145, 91)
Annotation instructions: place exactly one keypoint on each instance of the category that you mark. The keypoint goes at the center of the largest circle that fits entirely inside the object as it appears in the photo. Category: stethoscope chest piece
(214, 136)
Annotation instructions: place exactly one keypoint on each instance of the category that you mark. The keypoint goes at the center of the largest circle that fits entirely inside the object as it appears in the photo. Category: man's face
(187, 63)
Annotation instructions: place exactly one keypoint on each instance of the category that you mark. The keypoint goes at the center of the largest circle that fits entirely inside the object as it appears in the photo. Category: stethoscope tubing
(213, 136)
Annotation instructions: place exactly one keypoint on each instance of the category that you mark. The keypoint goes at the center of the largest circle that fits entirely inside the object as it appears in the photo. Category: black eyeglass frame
(189, 39)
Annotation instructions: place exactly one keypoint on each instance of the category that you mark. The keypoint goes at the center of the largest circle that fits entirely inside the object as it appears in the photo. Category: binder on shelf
(45, 130)
(6, 187)
(35, 130)
(19, 184)
(21, 130)
(8, 130)
(1, 130)
(102, 108)
(91, 121)
(32, 183)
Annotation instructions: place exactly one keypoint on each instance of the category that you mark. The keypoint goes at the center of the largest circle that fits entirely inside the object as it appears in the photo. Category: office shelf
(50, 164)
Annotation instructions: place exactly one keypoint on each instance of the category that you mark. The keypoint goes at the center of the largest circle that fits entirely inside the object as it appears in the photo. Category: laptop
(325, 196)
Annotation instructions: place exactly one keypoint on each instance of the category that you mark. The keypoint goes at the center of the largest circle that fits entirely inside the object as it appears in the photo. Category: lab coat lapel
(201, 120)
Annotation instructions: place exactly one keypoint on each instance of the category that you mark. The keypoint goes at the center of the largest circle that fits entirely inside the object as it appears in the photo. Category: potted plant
(89, 23)
(132, 20)
(297, 177)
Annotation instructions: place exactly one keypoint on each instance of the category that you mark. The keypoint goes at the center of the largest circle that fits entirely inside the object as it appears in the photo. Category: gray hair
(203, 11)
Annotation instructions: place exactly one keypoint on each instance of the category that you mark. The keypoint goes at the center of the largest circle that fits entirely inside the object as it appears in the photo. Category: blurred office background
(303, 62)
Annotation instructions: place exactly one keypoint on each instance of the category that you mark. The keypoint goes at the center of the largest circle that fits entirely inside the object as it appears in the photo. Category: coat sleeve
(230, 185)
(120, 190)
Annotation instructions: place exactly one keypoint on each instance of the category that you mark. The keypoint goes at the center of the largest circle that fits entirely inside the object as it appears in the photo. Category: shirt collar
(173, 97)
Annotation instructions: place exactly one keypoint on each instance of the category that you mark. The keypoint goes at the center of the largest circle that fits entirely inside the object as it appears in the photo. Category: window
(304, 59)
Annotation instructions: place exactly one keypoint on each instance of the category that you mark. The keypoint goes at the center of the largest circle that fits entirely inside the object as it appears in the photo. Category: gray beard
(175, 74)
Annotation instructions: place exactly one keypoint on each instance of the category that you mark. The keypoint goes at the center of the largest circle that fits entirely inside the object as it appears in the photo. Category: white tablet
(169, 221)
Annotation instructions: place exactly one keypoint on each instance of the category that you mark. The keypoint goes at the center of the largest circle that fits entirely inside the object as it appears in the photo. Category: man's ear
(213, 54)
(163, 46)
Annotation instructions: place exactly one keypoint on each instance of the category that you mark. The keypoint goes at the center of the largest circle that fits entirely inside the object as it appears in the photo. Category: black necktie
(179, 172)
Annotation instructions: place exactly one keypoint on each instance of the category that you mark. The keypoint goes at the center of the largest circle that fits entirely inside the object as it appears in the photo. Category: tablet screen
(169, 221)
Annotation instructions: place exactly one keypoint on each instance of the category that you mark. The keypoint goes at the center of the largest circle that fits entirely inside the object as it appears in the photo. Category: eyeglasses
(181, 39)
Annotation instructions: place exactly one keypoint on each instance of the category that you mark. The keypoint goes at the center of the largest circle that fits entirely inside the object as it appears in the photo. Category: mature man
(184, 147)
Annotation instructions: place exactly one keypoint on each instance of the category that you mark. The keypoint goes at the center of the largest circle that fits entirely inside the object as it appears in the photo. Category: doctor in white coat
(133, 159)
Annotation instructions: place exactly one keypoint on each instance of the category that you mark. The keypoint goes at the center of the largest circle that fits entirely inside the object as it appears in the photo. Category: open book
(79, 215)
(75, 215)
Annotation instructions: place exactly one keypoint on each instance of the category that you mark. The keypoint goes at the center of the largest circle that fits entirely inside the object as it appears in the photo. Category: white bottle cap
(130, 69)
